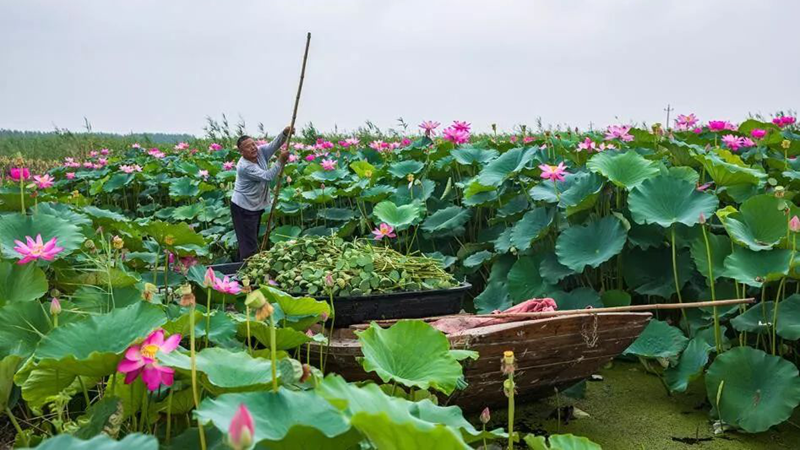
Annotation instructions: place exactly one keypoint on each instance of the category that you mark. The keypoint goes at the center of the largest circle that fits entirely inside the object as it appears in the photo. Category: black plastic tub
(392, 305)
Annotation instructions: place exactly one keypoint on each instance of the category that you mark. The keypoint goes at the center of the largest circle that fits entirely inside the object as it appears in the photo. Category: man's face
(248, 149)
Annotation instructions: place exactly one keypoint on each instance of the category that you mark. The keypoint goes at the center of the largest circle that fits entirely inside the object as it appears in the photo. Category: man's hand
(288, 130)
(284, 156)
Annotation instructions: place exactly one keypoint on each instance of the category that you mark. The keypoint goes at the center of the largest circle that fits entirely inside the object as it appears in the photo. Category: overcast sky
(161, 65)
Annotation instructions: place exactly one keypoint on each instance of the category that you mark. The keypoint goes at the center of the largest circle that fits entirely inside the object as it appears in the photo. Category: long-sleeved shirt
(251, 190)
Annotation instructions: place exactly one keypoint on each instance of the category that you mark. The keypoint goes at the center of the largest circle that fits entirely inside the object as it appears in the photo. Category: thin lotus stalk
(675, 275)
(717, 329)
(22, 193)
(777, 298)
(273, 352)
(85, 391)
(195, 395)
(247, 322)
(14, 422)
(208, 314)
(330, 332)
(169, 416)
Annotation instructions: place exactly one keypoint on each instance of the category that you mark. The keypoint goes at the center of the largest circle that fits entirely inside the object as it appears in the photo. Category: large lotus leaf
(44, 382)
(493, 298)
(665, 200)
(514, 206)
(96, 299)
(285, 338)
(363, 169)
(284, 233)
(452, 417)
(173, 234)
(524, 280)
(92, 347)
(788, 318)
(481, 199)
(759, 224)
(546, 190)
(615, 297)
(17, 227)
(420, 191)
(320, 195)
(117, 181)
(582, 194)
(757, 318)
(399, 217)
(691, 364)
(405, 168)
(100, 442)
(65, 211)
(580, 298)
(103, 216)
(8, 367)
(387, 421)
(502, 244)
(591, 244)
(283, 419)
(336, 214)
(504, 166)
(759, 390)
(224, 368)
(658, 340)
(477, 259)
(187, 212)
(411, 353)
(720, 247)
(329, 175)
(447, 221)
(376, 193)
(553, 271)
(24, 324)
(472, 155)
(184, 187)
(754, 268)
(560, 442)
(21, 283)
(727, 169)
(626, 170)
(531, 227)
(649, 272)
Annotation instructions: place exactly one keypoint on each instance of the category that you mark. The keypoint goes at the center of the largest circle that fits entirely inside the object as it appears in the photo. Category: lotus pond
(116, 333)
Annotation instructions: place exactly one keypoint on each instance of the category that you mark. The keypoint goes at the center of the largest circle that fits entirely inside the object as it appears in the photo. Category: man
(251, 190)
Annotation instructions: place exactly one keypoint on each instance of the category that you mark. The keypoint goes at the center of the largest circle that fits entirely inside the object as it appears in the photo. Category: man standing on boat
(251, 190)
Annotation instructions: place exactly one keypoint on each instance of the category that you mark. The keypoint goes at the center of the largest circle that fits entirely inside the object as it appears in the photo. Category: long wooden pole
(278, 185)
(572, 312)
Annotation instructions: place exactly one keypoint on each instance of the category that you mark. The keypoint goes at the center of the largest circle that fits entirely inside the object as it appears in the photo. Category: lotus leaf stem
(677, 283)
(273, 353)
(169, 415)
(195, 396)
(717, 329)
(208, 314)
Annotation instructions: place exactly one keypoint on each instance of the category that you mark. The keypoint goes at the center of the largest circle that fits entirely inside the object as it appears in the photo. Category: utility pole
(668, 109)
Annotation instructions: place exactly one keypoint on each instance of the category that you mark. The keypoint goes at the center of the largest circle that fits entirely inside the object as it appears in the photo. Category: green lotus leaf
(690, 365)
(626, 170)
(187, 212)
(757, 318)
(411, 353)
(447, 221)
(405, 168)
(582, 194)
(184, 187)
(320, 195)
(506, 165)
(176, 233)
(553, 271)
(224, 368)
(546, 190)
(533, 226)
(21, 283)
(591, 244)
(494, 297)
(474, 187)
(613, 298)
(64, 211)
(727, 169)
(477, 259)
(42, 383)
(760, 223)
(580, 298)
(719, 246)
(100, 442)
(101, 415)
(376, 193)
(420, 191)
(665, 201)
(283, 420)
(754, 268)
(481, 199)
(514, 206)
(363, 169)
(758, 390)
(658, 340)
(329, 175)
(524, 280)
(24, 324)
(117, 181)
(649, 272)
(222, 330)
(399, 217)
(336, 214)
(92, 346)
(453, 418)
(284, 233)
(788, 318)
(560, 442)
(387, 421)
(17, 227)
(502, 244)
(684, 172)
(468, 156)
(285, 338)
(8, 367)
(96, 299)
(100, 215)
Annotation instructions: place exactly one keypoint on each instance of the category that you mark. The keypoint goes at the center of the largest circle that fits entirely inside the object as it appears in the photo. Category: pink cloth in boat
(457, 324)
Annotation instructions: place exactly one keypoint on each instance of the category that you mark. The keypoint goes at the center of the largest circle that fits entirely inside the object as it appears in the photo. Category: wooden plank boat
(553, 352)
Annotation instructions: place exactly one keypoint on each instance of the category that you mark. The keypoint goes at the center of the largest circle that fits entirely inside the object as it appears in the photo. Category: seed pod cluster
(301, 266)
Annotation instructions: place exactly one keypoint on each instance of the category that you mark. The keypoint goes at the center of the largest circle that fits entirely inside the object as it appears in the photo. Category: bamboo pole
(278, 185)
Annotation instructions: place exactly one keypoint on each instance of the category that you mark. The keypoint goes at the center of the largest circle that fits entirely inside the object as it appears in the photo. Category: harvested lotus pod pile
(301, 266)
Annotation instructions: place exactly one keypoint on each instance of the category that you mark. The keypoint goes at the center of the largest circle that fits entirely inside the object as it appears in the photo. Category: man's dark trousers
(246, 225)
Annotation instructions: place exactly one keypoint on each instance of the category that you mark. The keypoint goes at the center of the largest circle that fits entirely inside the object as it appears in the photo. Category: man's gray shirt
(251, 190)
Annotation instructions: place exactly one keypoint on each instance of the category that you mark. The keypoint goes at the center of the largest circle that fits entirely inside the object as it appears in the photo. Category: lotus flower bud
(117, 242)
(208, 281)
(485, 416)
(265, 311)
(150, 290)
(702, 219)
(55, 307)
(242, 429)
(794, 224)
(55, 293)
(89, 244)
(508, 365)
(255, 299)
(187, 297)
(786, 144)
(329, 280)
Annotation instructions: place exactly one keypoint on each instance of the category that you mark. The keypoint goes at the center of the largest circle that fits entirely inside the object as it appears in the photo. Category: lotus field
(115, 330)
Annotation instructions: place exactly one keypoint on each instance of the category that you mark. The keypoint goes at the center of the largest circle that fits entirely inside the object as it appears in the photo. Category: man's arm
(269, 149)
(254, 173)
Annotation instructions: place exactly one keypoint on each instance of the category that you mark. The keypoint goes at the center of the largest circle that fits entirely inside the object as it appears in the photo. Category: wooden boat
(553, 352)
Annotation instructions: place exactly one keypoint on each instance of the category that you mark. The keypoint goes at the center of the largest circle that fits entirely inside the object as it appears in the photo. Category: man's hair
(243, 138)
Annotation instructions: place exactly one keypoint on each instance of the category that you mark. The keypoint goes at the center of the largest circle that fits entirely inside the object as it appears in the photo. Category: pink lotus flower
(228, 165)
(758, 133)
(55, 306)
(105, 152)
(513, 139)
(156, 153)
(97, 166)
(226, 286)
(19, 173)
(721, 125)
(379, 145)
(214, 147)
(384, 230)
(43, 182)
(311, 157)
(136, 145)
(328, 164)
(703, 187)
(37, 249)
(130, 169)
(455, 135)
(604, 146)
(747, 142)
(587, 145)
(794, 224)
(405, 142)
(210, 278)
(88, 165)
(181, 146)
(555, 173)
(241, 430)
(323, 144)
(685, 123)
(619, 132)
(141, 360)
(202, 174)
(349, 142)
(697, 130)
(292, 158)
(461, 126)
(528, 139)
(261, 142)
(93, 154)
(733, 142)
(782, 121)
(429, 126)
(70, 175)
